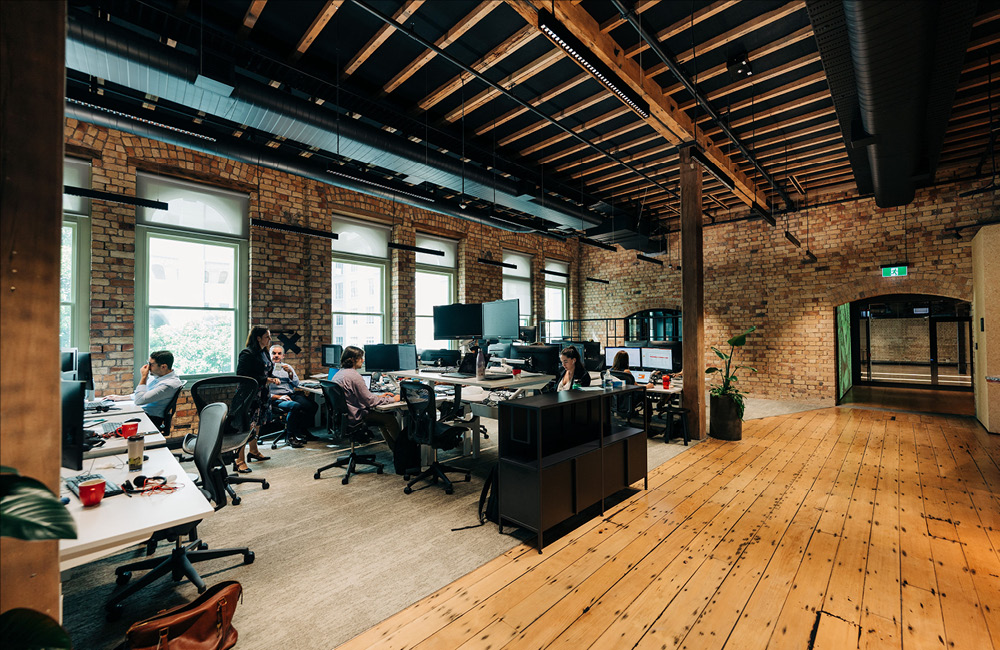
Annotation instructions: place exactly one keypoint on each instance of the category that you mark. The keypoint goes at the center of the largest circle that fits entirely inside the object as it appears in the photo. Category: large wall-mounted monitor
(331, 355)
(501, 319)
(458, 321)
(634, 356)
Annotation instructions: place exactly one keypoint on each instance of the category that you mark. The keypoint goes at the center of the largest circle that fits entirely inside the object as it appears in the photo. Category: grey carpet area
(331, 560)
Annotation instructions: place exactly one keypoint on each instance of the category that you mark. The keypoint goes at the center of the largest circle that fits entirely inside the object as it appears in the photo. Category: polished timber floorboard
(834, 528)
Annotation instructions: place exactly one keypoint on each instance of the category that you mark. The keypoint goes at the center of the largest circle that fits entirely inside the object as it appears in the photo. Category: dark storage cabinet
(561, 453)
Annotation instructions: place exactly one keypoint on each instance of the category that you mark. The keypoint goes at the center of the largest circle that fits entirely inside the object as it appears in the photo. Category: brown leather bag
(206, 623)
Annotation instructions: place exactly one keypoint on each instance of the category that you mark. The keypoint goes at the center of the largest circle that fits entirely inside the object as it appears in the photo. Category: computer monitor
(501, 349)
(541, 358)
(390, 357)
(67, 359)
(331, 355)
(441, 357)
(501, 319)
(85, 371)
(458, 321)
(634, 356)
(72, 424)
(658, 359)
(527, 333)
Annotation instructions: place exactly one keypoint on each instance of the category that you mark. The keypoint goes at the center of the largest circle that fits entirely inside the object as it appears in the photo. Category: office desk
(117, 444)
(533, 382)
(121, 521)
(117, 408)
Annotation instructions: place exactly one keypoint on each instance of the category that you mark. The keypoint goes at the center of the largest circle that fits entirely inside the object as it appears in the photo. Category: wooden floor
(835, 528)
(951, 402)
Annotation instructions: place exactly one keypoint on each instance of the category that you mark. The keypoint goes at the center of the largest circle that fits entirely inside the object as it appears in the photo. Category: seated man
(300, 409)
(155, 394)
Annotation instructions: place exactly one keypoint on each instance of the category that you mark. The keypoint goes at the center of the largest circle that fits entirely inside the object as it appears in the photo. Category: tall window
(360, 272)
(74, 275)
(517, 282)
(556, 297)
(435, 285)
(191, 263)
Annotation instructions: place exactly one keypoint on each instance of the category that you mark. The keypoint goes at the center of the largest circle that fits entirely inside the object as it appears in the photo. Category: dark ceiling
(469, 108)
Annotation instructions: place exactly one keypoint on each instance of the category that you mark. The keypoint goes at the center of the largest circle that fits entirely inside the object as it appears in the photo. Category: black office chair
(336, 404)
(423, 428)
(275, 427)
(626, 406)
(240, 394)
(180, 564)
(168, 413)
(670, 412)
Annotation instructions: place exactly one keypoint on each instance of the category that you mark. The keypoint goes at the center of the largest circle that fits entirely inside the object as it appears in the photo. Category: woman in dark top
(572, 370)
(254, 362)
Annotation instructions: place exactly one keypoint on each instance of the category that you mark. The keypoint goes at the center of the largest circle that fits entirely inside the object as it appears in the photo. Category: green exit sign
(893, 271)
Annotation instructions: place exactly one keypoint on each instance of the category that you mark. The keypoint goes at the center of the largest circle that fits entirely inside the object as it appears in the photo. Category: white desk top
(116, 444)
(533, 381)
(118, 407)
(675, 387)
(121, 520)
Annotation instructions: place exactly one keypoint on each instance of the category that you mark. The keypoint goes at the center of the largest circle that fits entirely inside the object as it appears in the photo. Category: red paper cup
(91, 492)
(128, 429)
(666, 381)
(515, 372)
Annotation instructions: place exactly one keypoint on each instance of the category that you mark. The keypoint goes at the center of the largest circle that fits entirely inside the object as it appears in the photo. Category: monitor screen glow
(634, 356)
(658, 358)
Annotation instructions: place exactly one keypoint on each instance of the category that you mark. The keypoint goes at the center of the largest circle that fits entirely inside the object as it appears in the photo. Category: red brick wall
(754, 276)
(290, 275)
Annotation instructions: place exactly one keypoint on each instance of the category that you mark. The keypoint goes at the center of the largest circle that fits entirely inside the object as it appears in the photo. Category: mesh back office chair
(240, 394)
(336, 404)
(168, 413)
(626, 406)
(276, 425)
(180, 564)
(423, 428)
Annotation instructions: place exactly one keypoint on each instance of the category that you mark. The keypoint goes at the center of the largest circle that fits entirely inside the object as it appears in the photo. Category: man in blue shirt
(158, 383)
(300, 409)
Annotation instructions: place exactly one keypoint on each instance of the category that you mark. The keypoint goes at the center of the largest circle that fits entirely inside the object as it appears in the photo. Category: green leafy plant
(728, 372)
(30, 511)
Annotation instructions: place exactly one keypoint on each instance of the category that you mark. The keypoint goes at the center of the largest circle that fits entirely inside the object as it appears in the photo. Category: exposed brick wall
(753, 276)
(290, 275)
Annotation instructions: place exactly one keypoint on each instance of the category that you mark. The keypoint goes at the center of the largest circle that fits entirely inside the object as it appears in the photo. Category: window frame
(559, 283)
(524, 318)
(240, 310)
(362, 260)
(79, 222)
(436, 269)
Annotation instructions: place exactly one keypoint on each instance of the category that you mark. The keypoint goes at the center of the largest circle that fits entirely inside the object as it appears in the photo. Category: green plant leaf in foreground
(26, 629)
(28, 510)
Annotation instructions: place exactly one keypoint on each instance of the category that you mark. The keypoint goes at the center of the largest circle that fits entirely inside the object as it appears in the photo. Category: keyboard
(458, 375)
(108, 428)
(435, 371)
(495, 376)
(73, 483)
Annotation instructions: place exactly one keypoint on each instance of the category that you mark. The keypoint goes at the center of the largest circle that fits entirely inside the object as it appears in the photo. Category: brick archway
(852, 291)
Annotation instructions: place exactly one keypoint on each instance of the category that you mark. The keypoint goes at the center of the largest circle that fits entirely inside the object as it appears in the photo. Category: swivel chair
(423, 428)
(179, 564)
(241, 395)
(275, 422)
(671, 412)
(336, 404)
(626, 406)
(168, 413)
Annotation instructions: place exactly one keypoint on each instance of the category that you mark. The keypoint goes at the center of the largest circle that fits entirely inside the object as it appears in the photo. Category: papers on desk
(474, 394)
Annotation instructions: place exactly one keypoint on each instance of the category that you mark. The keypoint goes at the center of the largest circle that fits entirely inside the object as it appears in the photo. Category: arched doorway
(909, 341)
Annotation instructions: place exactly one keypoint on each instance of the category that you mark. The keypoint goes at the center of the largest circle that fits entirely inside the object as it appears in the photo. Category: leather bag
(206, 623)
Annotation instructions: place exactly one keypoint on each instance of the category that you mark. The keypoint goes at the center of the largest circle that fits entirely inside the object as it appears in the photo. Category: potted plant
(29, 511)
(726, 402)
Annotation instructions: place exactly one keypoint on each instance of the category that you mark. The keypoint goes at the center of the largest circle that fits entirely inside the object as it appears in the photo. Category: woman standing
(572, 370)
(254, 362)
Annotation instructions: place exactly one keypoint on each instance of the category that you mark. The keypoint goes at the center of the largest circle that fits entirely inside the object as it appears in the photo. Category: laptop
(467, 370)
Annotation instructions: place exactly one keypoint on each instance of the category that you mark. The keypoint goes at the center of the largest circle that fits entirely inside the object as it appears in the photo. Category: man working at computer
(154, 394)
(300, 409)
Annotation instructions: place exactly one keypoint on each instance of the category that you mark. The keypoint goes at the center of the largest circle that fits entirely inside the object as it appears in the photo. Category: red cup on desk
(128, 429)
(91, 492)
(666, 382)
(516, 372)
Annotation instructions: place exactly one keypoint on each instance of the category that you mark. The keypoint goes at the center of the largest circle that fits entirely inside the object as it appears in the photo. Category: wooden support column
(693, 289)
(32, 46)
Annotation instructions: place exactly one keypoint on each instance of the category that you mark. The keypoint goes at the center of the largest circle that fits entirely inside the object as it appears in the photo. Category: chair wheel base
(344, 481)
(407, 490)
(248, 557)
(449, 491)
(468, 477)
(123, 578)
(265, 485)
(379, 470)
(236, 501)
(316, 476)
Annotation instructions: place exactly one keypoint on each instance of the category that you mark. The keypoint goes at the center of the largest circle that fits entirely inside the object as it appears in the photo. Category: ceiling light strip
(598, 281)
(286, 227)
(140, 119)
(415, 249)
(651, 260)
(488, 262)
(124, 199)
(598, 244)
(379, 185)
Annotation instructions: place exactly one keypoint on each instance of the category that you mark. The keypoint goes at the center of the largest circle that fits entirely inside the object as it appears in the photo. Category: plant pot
(724, 418)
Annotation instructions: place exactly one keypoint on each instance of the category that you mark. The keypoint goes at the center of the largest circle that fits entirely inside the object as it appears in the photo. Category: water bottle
(480, 365)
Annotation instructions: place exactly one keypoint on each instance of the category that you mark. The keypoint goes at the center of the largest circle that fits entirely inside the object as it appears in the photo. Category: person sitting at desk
(572, 370)
(621, 364)
(154, 395)
(300, 409)
(361, 402)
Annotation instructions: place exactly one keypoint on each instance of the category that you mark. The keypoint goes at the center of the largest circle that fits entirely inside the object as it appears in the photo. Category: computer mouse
(133, 420)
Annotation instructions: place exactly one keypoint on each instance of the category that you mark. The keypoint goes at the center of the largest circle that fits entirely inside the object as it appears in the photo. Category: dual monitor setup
(664, 356)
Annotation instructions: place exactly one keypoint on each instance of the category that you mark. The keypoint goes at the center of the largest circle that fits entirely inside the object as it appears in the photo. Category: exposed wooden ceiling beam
(250, 18)
(622, 130)
(458, 29)
(317, 25)
(528, 71)
(817, 78)
(698, 16)
(638, 142)
(766, 75)
(510, 45)
(665, 116)
(384, 32)
(583, 104)
(617, 111)
(640, 7)
(549, 94)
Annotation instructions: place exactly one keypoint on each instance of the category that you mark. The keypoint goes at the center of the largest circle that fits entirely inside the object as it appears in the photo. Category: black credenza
(561, 453)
